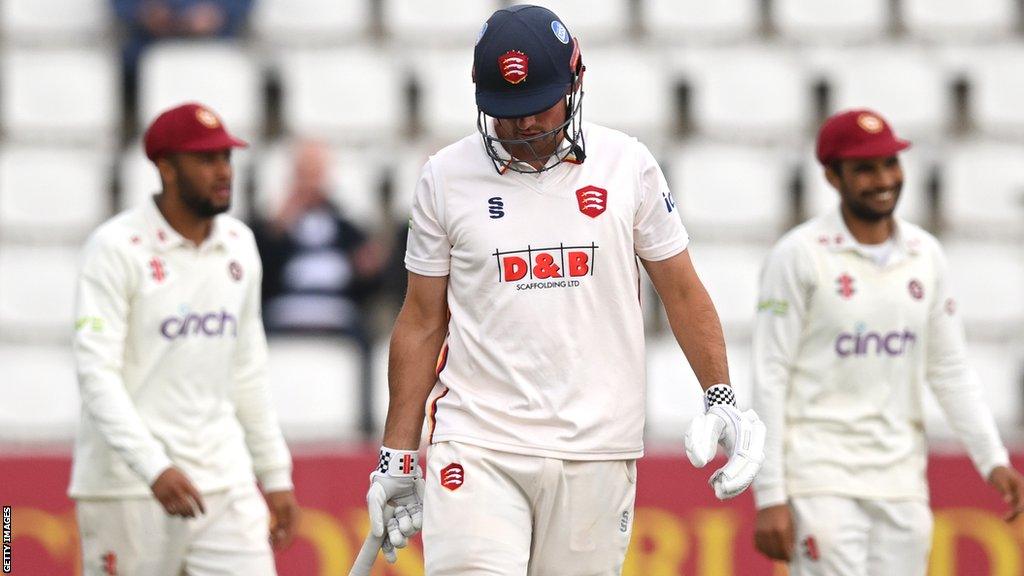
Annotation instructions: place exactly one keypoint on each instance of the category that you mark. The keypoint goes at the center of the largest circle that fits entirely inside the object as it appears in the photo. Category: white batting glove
(741, 434)
(395, 499)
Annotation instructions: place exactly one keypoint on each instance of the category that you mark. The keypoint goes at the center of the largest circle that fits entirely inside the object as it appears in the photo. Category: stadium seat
(594, 22)
(37, 292)
(315, 383)
(307, 22)
(221, 75)
(447, 22)
(405, 174)
(999, 371)
(914, 204)
(447, 107)
(356, 179)
(831, 21)
(983, 188)
(986, 280)
(352, 94)
(730, 272)
(40, 392)
(997, 90)
(59, 95)
(692, 21)
(902, 83)
(731, 190)
(748, 94)
(54, 22)
(49, 193)
(674, 395)
(629, 90)
(947, 20)
(139, 179)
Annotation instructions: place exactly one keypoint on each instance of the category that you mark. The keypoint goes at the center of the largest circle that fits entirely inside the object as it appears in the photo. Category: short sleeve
(658, 232)
(427, 250)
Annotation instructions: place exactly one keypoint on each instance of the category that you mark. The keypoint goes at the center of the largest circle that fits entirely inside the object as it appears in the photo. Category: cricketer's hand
(741, 434)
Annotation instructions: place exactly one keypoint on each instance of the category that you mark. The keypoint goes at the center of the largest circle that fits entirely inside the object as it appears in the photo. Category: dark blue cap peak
(523, 62)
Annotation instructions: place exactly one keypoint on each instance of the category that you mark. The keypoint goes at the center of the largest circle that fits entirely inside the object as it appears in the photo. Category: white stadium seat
(140, 179)
(355, 183)
(629, 90)
(674, 396)
(986, 280)
(343, 94)
(730, 272)
(405, 174)
(37, 292)
(731, 190)
(315, 384)
(592, 21)
(691, 21)
(305, 22)
(997, 90)
(40, 392)
(913, 205)
(945, 20)
(831, 21)
(221, 75)
(54, 21)
(748, 94)
(902, 83)
(450, 22)
(59, 95)
(983, 188)
(49, 193)
(447, 93)
(999, 370)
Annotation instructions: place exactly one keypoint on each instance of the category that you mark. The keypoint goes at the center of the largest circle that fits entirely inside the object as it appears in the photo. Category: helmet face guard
(567, 136)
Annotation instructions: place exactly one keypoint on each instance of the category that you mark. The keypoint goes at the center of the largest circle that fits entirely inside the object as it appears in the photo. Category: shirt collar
(165, 237)
(836, 237)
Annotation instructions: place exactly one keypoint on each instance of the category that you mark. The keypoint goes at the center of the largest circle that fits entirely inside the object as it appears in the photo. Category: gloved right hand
(395, 498)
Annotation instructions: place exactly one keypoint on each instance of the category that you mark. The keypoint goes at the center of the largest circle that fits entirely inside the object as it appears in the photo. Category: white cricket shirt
(843, 350)
(545, 350)
(171, 359)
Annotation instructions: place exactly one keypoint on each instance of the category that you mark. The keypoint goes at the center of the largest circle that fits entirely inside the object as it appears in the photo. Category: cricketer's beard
(862, 211)
(193, 198)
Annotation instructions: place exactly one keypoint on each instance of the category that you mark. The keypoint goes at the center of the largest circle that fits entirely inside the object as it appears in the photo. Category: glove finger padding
(380, 512)
(745, 455)
(389, 551)
(702, 438)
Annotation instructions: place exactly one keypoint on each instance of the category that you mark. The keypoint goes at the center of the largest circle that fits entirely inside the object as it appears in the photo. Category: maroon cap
(188, 128)
(859, 133)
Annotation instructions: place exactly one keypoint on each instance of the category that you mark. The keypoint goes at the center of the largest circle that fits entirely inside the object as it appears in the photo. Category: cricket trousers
(842, 536)
(136, 537)
(490, 513)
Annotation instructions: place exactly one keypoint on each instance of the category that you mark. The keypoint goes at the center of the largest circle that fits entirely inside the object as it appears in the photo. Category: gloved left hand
(741, 434)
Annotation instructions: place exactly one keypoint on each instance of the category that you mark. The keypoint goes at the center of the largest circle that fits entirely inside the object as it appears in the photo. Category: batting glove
(395, 498)
(741, 434)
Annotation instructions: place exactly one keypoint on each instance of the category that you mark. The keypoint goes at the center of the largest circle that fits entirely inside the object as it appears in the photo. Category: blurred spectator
(148, 21)
(318, 266)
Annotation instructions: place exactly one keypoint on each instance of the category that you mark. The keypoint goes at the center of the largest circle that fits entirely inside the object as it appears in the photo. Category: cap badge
(560, 32)
(207, 118)
(870, 123)
(514, 66)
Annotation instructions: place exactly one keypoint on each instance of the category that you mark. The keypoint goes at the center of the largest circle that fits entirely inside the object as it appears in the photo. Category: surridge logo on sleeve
(547, 267)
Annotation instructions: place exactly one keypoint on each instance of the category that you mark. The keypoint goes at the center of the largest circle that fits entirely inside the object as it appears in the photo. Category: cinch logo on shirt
(864, 342)
(553, 264)
(192, 324)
